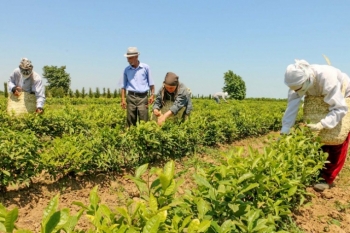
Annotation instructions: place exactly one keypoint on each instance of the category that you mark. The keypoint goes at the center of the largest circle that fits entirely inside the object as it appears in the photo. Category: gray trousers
(137, 106)
(216, 98)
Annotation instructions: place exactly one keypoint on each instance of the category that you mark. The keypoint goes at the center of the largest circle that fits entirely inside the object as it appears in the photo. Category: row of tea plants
(80, 136)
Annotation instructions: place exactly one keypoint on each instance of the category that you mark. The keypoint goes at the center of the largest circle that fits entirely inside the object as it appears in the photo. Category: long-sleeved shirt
(137, 79)
(220, 94)
(182, 99)
(328, 83)
(31, 84)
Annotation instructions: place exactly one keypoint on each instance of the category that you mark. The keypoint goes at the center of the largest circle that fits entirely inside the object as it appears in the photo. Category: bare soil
(327, 212)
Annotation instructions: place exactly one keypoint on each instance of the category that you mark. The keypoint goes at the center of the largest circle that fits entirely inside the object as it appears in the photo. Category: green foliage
(115, 94)
(91, 95)
(70, 93)
(257, 193)
(157, 209)
(254, 194)
(47, 93)
(234, 85)
(8, 219)
(57, 92)
(77, 93)
(97, 93)
(82, 135)
(83, 93)
(108, 93)
(56, 220)
(57, 77)
(19, 157)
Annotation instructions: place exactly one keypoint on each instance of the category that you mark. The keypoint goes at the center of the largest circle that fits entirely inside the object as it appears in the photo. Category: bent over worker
(326, 81)
(173, 100)
(217, 96)
(24, 80)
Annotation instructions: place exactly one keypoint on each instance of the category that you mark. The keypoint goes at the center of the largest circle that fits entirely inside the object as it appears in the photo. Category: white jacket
(328, 82)
(32, 84)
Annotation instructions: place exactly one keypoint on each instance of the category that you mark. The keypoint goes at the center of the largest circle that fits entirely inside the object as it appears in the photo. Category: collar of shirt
(139, 66)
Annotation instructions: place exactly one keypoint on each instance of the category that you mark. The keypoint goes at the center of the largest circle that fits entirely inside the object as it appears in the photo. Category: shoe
(321, 187)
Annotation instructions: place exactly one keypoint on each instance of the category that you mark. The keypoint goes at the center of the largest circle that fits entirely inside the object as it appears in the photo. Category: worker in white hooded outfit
(217, 96)
(24, 79)
(326, 81)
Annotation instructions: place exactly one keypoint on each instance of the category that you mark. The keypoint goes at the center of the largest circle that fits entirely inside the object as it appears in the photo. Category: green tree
(109, 93)
(57, 77)
(91, 95)
(83, 93)
(57, 92)
(97, 93)
(47, 92)
(5, 90)
(104, 92)
(77, 93)
(70, 93)
(234, 85)
(115, 93)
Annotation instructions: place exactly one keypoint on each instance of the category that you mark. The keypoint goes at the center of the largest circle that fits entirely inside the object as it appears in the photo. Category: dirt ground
(327, 212)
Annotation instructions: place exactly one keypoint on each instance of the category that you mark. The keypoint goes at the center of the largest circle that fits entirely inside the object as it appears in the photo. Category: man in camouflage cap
(24, 79)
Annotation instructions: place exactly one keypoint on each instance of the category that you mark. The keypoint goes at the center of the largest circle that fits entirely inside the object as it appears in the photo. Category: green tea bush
(19, 157)
(257, 193)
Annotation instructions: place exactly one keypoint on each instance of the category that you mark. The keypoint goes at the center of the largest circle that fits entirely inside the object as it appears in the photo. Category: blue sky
(198, 40)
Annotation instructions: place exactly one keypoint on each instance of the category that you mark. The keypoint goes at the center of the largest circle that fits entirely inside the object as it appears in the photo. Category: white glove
(315, 127)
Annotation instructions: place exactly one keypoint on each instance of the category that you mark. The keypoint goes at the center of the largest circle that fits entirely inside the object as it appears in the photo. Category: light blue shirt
(137, 79)
(32, 84)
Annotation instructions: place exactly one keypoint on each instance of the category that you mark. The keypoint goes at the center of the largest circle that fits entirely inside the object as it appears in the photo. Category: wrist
(168, 113)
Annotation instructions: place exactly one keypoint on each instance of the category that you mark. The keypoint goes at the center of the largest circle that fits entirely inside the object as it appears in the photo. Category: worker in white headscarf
(319, 80)
(24, 79)
(217, 96)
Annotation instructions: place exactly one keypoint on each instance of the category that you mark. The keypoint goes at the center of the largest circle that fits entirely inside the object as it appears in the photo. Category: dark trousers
(137, 106)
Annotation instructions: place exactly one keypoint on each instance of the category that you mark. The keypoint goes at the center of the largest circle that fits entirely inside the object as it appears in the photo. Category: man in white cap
(24, 79)
(326, 81)
(137, 82)
(217, 96)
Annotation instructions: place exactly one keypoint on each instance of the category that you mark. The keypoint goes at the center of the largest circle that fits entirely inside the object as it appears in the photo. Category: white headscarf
(299, 76)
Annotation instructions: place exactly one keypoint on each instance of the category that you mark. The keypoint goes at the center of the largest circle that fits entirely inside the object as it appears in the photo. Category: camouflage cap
(25, 64)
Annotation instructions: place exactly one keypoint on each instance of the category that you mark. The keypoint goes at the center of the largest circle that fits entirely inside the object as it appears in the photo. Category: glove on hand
(315, 127)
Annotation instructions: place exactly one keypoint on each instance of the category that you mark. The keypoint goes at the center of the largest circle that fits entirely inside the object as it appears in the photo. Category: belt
(137, 93)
